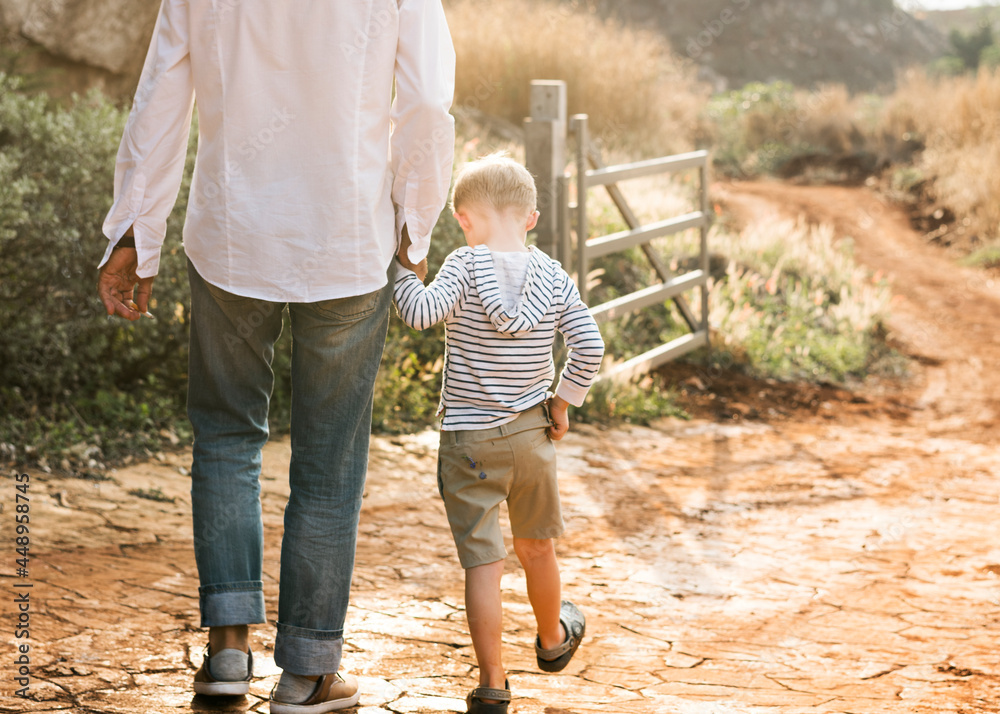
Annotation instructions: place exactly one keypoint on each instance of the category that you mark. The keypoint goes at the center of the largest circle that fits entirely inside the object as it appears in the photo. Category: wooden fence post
(582, 261)
(545, 157)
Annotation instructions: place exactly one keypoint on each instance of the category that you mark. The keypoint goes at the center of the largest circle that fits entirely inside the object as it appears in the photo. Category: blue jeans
(336, 350)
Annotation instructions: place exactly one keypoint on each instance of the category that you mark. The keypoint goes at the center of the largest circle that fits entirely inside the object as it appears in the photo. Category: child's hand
(560, 418)
(404, 259)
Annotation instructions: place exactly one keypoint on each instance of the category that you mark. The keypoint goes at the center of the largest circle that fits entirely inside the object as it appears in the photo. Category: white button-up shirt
(308, 163)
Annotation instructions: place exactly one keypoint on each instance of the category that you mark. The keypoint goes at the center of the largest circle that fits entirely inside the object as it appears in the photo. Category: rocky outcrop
(111, 34)
(860, 43)
(91, 41)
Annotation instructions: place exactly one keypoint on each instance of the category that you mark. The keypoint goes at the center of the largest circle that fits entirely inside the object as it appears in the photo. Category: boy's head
(495, 181)
(494, 185)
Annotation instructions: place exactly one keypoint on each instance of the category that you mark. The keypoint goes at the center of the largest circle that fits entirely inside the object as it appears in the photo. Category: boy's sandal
(475, 704)
(575, 624)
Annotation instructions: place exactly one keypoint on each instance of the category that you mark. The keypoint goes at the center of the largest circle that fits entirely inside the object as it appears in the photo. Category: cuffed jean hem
(308, 652)
(232, 604)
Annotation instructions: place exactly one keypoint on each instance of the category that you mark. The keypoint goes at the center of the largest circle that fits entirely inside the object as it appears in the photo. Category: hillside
(860, 43)
(966, 20)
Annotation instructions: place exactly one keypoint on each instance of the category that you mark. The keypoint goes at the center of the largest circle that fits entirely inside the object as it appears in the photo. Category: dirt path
(946, 316)
(839, 555)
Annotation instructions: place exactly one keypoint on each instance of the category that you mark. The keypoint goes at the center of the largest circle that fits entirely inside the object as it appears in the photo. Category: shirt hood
(534, 301)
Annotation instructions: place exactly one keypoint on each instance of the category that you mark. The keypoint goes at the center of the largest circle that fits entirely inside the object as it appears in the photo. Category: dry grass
(636, 93)
(958, 120)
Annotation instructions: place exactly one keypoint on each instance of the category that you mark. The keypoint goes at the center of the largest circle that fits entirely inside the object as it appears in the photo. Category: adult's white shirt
(308, 167)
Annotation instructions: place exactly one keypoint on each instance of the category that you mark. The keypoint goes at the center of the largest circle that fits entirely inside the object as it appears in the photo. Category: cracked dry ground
(839, 556)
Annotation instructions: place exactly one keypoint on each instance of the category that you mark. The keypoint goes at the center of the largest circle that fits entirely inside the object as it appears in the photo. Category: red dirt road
(837, 554)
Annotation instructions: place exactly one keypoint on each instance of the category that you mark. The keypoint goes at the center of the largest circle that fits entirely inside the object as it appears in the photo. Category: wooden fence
(546, 133)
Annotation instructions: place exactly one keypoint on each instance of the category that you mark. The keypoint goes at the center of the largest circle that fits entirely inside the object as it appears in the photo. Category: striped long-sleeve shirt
(498, 363)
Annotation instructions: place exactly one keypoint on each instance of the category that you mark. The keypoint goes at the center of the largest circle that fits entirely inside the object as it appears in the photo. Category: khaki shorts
(479, 469)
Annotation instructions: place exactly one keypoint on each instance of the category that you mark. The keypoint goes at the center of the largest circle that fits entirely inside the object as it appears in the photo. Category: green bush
(756, 128)
(969, 47)
(794, 305)
(56, 167)
(762, 127)
(990, 57)
(61, 361)
(947, 66)
(637, 402)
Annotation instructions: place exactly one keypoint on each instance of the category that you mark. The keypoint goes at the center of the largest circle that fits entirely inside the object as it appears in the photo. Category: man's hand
(404, 259)
(558, 410)
(117, 285)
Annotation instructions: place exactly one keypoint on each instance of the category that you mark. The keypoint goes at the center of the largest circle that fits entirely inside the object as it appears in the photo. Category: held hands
(117, 286)
(404, 259)
(560, 418)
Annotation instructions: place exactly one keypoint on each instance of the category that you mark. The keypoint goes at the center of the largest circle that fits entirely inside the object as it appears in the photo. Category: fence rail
(546, 151)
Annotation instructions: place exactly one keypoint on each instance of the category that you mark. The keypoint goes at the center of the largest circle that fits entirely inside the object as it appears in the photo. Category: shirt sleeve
(421, 307)
(423, 136)
(584, 345)
(150, 162)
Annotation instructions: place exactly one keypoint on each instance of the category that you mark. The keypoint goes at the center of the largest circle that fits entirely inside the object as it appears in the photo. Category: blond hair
(496, 181)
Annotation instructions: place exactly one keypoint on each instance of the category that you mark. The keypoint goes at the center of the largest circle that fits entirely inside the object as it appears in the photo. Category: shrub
(638, 402)
(759, 128)
(969, 47)
(61, 361)
(794, 305)
(56, 169)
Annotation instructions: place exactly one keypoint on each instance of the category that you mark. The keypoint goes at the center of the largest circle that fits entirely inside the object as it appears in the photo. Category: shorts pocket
(539, 438)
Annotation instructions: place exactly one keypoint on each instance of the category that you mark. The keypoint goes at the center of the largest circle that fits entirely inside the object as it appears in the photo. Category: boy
(502, 303)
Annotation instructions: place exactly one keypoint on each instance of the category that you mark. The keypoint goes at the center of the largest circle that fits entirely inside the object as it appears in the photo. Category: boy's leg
(541, 570)
(484, 610)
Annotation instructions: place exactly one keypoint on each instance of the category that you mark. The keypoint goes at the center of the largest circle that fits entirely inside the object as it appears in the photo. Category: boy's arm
(585, 349)
(419, 306)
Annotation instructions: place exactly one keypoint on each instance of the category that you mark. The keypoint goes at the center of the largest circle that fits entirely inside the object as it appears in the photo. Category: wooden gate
(545, 134)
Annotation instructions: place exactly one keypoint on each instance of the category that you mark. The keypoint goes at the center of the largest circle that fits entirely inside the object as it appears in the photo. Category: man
(324, 134)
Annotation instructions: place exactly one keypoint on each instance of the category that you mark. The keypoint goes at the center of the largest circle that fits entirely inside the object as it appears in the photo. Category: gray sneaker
(205, 683)
(333, 692)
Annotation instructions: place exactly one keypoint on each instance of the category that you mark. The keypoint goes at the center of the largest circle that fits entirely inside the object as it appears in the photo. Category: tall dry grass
(636, 93)
(958, 121)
